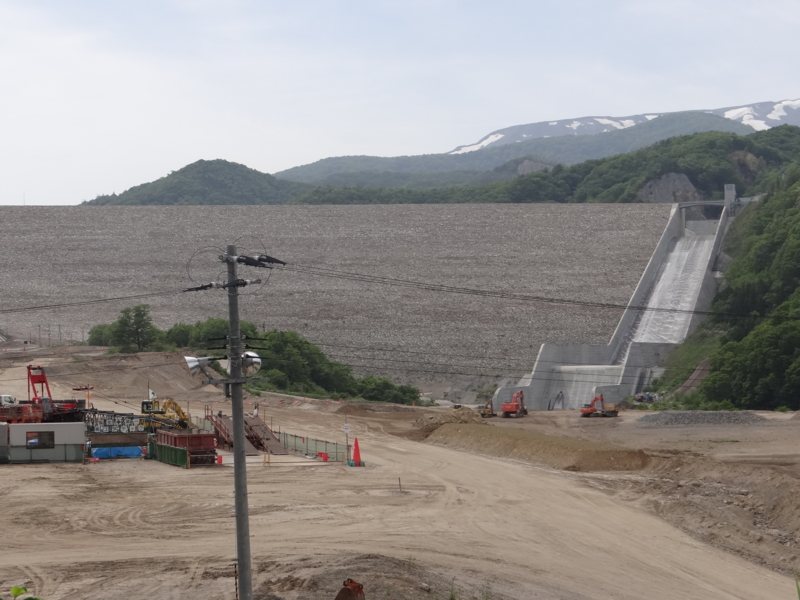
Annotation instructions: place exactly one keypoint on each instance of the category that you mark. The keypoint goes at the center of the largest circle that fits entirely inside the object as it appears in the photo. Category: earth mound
(562, 453)
(430, 423)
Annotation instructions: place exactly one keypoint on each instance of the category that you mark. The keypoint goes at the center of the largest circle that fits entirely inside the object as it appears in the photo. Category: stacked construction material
(184, 448)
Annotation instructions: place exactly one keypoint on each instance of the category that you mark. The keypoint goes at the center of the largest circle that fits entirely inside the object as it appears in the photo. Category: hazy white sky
(98, 96)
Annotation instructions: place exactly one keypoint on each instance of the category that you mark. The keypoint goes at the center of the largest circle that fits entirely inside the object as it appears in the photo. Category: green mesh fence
(312, 446)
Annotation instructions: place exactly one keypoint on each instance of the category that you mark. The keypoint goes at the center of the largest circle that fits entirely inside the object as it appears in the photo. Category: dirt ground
(712, 513)
(732, 486)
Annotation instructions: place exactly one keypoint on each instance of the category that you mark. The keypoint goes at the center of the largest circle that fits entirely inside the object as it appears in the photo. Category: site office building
(42, 442)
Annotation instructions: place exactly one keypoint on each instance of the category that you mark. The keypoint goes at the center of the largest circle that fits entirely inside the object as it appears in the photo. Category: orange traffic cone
(356, 453)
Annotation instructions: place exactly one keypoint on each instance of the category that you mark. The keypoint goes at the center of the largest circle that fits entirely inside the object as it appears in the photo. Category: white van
(6, 400)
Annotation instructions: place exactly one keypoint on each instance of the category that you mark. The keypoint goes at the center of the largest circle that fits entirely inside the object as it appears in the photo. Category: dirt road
(136, 529)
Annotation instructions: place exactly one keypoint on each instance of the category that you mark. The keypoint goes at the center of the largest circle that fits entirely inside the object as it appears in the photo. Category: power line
(6, 311)
(407, 283)
(335, 274)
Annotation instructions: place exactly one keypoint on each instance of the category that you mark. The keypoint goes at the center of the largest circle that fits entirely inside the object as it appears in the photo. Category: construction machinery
(40, 403)
(169, 409)
(516, 407)
(487, 410)
(598, 408)
(351, 590)
(13, 411)
(170, 414)
(172, 410)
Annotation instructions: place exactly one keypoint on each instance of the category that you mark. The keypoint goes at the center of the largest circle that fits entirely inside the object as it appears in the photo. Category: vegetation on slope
(292, 363)
(709, 160)
(209, 182)
(567, 150)
(755, 333)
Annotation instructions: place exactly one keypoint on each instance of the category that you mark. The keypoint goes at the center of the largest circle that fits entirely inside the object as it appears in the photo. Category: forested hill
(566, 150)
(209, 182)
(709, 161)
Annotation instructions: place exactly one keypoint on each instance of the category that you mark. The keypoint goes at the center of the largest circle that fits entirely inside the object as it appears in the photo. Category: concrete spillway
(677, 284)
(674, 296)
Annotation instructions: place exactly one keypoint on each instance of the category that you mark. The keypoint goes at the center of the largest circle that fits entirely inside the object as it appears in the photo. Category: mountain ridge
(561, 149)
(760, 116)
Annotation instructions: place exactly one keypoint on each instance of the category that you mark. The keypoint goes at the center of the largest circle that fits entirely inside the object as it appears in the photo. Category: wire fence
(312, 446)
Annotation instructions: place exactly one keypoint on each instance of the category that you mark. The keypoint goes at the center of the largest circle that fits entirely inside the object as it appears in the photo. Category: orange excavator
(604, 410)
(516, 407)
(351, 590)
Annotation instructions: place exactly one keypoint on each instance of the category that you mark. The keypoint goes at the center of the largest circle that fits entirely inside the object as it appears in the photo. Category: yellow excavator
(487, 410)
(169, 409)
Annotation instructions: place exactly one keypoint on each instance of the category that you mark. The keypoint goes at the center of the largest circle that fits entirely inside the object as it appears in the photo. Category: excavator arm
(172, 410)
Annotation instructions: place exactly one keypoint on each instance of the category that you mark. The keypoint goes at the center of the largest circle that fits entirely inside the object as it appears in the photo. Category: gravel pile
(796, 416)
(682, 418)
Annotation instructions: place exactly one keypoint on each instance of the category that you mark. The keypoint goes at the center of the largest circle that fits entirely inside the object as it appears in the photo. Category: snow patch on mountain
(621, 124)
(759, 116)
(746, 115)
(764, 115)
(779, 111)
(482, 144)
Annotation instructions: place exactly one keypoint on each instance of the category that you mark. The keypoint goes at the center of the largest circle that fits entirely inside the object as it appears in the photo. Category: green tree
(179, 334)
(102, 335)
(134, 330)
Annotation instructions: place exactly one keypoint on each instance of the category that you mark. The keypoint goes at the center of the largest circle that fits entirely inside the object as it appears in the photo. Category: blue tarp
(117, 452)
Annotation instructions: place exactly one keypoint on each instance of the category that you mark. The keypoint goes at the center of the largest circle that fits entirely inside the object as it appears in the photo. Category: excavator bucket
(351, 590)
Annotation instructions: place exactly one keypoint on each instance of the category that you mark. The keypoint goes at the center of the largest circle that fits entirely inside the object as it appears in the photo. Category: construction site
(119, 480)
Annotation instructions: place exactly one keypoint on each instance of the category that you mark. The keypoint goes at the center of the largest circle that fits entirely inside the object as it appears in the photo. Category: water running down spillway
(677, 286)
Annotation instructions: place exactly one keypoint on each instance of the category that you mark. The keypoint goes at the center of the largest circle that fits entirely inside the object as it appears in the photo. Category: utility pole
(239, 457)
(239, 365)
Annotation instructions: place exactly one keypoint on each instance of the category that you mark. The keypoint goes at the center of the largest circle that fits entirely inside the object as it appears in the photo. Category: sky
(99, 96)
